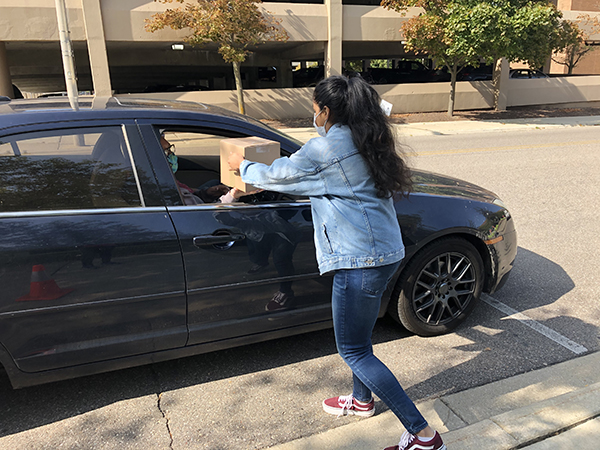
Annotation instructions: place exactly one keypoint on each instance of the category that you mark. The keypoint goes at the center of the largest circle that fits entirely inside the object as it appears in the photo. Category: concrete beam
(35, 20)
(311, 51)
(335, 27)
(94, 29)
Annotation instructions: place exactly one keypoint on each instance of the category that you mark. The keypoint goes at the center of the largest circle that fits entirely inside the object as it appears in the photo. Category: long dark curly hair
(353, 102)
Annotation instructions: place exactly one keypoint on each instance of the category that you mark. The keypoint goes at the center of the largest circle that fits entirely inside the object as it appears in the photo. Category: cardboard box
(253, 149)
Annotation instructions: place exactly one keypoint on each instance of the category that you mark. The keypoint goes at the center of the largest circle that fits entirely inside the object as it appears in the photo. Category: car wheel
(439, 287)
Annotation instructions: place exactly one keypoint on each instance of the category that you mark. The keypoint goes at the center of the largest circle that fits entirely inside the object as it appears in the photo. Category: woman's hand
(234, 161)
(236, 193)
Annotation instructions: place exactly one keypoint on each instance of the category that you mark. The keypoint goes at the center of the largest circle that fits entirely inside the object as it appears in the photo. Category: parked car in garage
(308, 77)
(406, 71)
(104, 266)
(479, 73)
(527, 73)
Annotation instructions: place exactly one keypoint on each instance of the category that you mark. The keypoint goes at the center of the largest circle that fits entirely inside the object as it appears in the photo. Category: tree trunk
(501, 74)
(237, 73)
(572, 63)
(453, 72)
(496, 82)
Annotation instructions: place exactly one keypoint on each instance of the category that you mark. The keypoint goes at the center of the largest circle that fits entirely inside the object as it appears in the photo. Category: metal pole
(68, 57)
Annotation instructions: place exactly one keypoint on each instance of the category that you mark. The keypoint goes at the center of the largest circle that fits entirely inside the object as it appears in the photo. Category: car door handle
(211, 239)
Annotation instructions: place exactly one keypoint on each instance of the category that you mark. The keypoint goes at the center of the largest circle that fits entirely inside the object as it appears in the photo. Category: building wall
(589, 64)
(585, 5)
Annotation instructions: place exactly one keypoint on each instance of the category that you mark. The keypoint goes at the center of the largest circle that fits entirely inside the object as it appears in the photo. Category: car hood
(441, 185)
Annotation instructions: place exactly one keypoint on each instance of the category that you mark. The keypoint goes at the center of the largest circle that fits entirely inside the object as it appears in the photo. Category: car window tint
(66, 169)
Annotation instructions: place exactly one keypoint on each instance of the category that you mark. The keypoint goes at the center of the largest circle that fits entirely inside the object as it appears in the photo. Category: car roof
(58, 109)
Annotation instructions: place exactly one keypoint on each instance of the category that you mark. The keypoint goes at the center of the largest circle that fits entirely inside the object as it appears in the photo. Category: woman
(350, 174)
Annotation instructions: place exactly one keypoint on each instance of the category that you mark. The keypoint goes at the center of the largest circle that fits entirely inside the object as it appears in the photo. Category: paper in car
(386, 106)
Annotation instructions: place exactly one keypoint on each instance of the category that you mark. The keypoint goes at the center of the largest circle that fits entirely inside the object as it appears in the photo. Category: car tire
(429, 300)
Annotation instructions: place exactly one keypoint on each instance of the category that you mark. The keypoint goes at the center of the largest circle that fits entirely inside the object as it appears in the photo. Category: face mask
(172, 160)
(321, 131)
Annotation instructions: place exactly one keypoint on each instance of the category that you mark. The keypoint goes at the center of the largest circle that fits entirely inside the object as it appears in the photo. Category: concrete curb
(516, 429)
(479, 126)
(503, 415)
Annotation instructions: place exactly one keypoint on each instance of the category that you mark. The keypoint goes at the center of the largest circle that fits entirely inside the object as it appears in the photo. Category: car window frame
(135, 149)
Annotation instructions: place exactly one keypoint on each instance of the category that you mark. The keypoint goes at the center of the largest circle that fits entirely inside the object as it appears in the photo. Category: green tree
(437, 33)
(234, 25)
(353, 65)
(575, 41)
(518, 30)
(461, 32)
(380, 64)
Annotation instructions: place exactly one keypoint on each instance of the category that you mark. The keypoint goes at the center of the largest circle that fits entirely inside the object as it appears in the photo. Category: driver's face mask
(321, 131)
(172, 160)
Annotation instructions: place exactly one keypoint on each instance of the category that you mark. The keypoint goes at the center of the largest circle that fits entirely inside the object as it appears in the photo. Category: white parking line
(542, 329)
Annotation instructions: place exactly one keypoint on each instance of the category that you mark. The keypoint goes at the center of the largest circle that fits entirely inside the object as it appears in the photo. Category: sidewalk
(468, 126)
(556, 407)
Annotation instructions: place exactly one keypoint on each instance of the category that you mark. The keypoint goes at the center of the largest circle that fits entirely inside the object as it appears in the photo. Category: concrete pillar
(285, 78)
(6, 88)
(333, 51)
(94, 30)
(565, 5)
(501, 101)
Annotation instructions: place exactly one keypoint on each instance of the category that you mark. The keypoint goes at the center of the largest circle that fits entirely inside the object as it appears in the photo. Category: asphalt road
(268, 393)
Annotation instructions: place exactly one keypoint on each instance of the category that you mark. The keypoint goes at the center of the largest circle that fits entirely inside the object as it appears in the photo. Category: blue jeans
(356, 301)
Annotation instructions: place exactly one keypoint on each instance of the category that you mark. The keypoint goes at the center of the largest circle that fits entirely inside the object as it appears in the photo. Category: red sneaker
(346, 405)
(410, 442)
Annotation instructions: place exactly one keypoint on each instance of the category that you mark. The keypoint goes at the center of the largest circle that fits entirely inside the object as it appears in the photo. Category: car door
(238, 256)
(90, 264)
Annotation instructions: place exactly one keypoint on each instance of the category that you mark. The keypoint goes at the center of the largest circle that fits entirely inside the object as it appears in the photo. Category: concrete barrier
(406, 98)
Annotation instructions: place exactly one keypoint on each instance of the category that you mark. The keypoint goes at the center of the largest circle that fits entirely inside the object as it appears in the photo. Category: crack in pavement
(158, 396)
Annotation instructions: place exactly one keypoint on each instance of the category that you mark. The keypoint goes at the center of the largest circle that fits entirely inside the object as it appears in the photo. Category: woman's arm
(294, 175)
(299, 174)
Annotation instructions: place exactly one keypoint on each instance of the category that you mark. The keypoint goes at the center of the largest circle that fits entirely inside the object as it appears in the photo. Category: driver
(210, 192)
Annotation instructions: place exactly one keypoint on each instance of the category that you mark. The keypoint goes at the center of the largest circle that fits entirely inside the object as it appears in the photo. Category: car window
(67, 169)
(520, 74)
(194, 161)
(198, 168)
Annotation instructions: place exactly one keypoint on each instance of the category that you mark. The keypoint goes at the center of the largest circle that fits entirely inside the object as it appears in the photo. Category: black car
(103, 266)
(526, 73)
(479, 73)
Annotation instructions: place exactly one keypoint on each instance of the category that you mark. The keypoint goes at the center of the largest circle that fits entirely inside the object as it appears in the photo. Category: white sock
(426, 439)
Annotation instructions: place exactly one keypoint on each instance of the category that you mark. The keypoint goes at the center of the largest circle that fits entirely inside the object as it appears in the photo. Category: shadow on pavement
(493, 342)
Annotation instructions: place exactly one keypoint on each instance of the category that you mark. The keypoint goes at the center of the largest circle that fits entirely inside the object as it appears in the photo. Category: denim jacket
(353, 227)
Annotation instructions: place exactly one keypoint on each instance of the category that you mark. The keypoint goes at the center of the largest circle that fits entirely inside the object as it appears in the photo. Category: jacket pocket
(326, 242)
